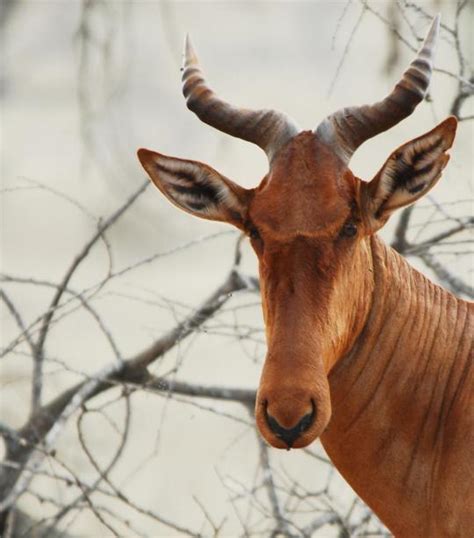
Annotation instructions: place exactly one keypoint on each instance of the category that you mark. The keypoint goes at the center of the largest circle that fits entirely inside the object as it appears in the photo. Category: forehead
(308, 191)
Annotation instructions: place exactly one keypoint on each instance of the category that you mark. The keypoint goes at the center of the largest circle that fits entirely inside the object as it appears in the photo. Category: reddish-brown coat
(382, 355)
(402, 427)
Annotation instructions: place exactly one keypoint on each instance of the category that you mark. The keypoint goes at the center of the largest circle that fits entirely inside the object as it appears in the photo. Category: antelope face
(309, 222)
(304, 223)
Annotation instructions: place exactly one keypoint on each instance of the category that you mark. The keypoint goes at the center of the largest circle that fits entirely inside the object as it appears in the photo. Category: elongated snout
(291, 412)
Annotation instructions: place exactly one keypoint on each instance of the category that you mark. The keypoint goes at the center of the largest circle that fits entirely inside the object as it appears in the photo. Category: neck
(396, 397)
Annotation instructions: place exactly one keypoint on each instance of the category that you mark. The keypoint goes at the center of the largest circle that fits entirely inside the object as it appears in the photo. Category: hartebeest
(363, 350)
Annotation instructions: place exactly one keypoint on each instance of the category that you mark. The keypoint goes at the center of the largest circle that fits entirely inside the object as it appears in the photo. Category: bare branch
(281, 521)
(436, 239)
(39, 356)
(46, 423)
(21, 324)
(326, 519)
(346, 49)
(246, 397)
(454, 283)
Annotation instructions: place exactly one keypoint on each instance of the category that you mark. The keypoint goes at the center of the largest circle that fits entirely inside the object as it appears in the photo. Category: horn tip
(187, 40)
(434, 29)
(189, 54)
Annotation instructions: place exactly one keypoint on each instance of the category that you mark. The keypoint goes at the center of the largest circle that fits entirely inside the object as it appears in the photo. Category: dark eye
(349, 229)
(254, 235)
(255, 239)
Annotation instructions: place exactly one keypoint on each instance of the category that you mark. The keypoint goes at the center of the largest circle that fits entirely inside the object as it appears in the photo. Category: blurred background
(83, 84)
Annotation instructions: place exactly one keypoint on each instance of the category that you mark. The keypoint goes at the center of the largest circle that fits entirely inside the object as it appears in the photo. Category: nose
(290, 435)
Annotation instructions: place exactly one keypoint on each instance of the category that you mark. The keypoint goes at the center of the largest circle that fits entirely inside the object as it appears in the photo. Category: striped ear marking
(410, 171)
(196, 187)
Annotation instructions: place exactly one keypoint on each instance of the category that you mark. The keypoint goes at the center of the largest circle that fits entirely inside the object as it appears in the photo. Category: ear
(408, 174)
(196, 188)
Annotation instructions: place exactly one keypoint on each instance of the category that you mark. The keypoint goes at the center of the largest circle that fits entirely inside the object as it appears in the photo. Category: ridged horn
(269, 129)
(350, 127)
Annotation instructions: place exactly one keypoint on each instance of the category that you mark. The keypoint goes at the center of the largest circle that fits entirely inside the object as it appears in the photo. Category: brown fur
(382, 355)
(402, 428)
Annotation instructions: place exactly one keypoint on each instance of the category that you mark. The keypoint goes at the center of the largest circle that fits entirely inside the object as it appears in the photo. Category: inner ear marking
(196, 187)
(411, 171)
(191, 186)
(417, 188)
(204, 191)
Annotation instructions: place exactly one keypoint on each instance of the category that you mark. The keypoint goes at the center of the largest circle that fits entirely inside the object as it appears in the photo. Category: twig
(39, 356)
(19, 320)
(160, 384)
(454, 283)
(436, 239)
(346, 50)
(103, 474)
(326, 519)
(46, 423)
(281, 521)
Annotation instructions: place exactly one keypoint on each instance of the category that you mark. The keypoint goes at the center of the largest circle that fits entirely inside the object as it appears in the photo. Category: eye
(349, 229)
(255, 239)
(254, 235)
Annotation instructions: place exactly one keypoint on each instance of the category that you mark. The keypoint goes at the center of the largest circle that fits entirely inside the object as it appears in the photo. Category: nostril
(289, 435)
(306, 421)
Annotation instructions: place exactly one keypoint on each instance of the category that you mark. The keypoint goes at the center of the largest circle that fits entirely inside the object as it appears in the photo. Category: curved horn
(350, 127)
(268, 129)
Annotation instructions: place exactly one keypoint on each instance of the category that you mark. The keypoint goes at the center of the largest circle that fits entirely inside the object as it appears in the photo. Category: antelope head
(309, 221)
